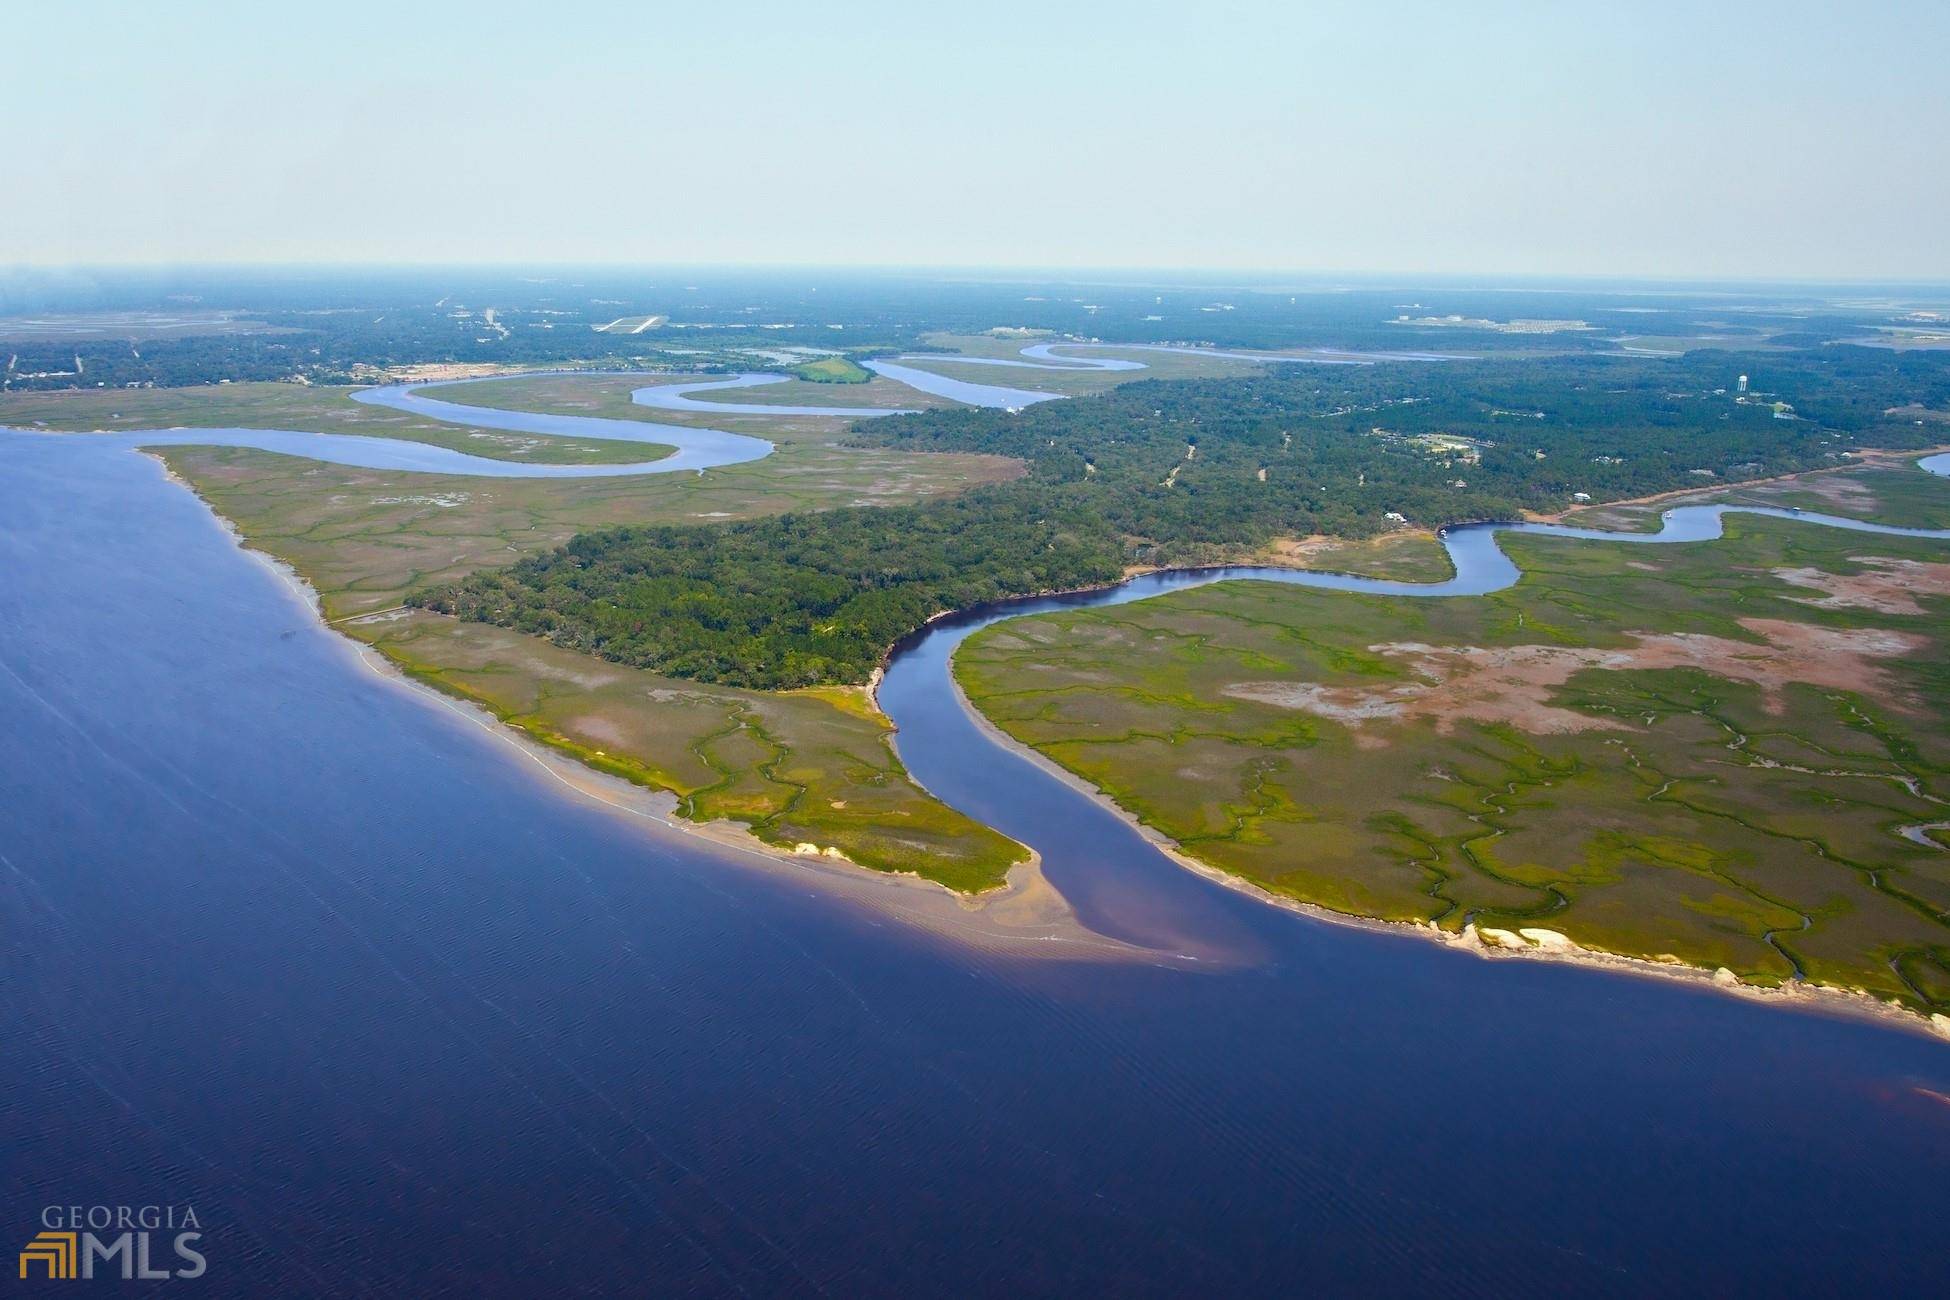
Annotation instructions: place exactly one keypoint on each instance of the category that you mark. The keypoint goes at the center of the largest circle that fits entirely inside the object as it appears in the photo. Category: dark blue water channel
(295, 945)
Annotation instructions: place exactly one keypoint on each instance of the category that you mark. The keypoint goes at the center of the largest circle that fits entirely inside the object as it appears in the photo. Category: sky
(1733, 140)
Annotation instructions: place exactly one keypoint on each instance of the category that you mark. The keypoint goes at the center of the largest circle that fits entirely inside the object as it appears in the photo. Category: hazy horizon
(1756, 142)
(1296, 279)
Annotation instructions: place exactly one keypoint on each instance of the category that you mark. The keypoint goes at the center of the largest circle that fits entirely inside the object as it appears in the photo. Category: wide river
(310, 951)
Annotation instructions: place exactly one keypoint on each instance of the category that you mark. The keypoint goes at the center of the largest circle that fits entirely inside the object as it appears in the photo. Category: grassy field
(798, 768)
(1411, 555)
(1728, 754)
(812, 767)
(1070, 383)
(300, 407)
(608, 395)
(1884, 487)
(833, 370)
(1889, 492)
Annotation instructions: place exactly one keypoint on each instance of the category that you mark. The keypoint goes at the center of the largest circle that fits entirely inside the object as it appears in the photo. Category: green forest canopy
(1186, 472)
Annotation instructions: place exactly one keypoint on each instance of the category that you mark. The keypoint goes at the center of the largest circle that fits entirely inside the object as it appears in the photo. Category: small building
(1581, 497)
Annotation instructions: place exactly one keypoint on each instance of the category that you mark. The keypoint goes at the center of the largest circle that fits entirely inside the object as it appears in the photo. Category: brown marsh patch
(1513, 685)
(1887, 586)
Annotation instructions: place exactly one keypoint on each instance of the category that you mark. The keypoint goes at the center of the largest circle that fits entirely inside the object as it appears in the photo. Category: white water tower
(1743, 384)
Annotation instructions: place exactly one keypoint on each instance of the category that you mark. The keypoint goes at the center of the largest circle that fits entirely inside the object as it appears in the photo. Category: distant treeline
(1183, 472)
(324, 326)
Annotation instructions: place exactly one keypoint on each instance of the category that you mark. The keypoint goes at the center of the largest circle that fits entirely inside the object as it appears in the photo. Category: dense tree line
(1177, 472)
(789, 601)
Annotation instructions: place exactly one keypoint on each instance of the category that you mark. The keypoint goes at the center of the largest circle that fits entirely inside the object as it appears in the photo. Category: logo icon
(53, 1251)
(125, 1240)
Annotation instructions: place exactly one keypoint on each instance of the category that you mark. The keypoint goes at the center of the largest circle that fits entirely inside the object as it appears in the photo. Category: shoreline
(1025, 916)
(1817, 998)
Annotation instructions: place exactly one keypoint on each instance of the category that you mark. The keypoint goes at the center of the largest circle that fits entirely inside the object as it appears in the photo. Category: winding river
(677, 397)
(310, 953)
(695, 448)
(1043, 356)
(1121, 883)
